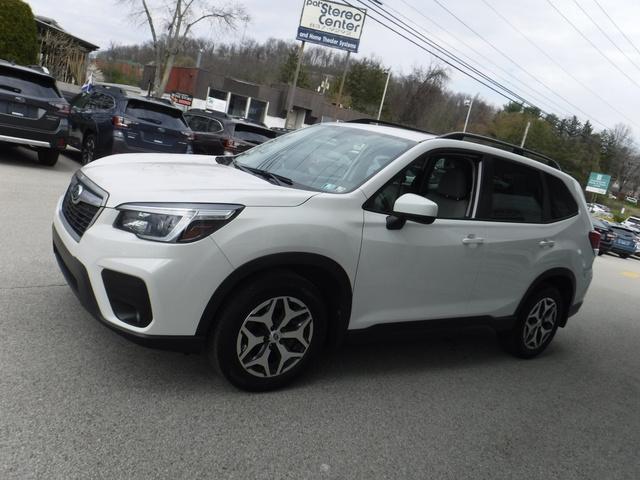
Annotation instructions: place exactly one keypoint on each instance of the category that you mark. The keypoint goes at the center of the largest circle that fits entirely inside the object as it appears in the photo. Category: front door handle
(471, 239)
(547, 243)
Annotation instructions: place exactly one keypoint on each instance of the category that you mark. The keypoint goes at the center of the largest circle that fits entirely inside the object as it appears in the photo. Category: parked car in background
(32, 111)
(597, 208)
(217, 135)
(111, 120)
(606, 234)
(633, 223)
(624, 243)
(633, 200)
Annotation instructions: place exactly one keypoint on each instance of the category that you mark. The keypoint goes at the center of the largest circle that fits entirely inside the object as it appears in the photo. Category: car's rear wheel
(536, 324)
(268, 332)
(48, 157)
(624, 255)
(88, 149)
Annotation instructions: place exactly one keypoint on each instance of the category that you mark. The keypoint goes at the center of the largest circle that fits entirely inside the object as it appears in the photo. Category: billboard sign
(598, 183)
(331, 24)
(182, 99)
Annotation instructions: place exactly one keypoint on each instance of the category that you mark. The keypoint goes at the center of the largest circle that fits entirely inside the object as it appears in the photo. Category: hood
(154, 177)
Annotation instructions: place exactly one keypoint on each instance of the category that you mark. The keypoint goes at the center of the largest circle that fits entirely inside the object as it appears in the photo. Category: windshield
(328, 158)
(252, 134)
(167, 117)
(17, 81)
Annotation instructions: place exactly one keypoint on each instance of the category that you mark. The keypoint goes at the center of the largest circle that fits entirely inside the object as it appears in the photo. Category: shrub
(18, 33)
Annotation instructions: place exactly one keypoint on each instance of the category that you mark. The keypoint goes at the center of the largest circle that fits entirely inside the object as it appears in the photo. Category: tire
(250, 339)
(48, 157)
(89, 147)
(600, 253)
(624, 255)
(536, 324)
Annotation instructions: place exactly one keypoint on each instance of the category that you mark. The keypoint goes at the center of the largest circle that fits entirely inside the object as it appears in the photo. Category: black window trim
(476, 187)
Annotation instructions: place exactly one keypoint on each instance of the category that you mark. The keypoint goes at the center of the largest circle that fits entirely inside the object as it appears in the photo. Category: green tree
(288, 70)
(18, 34)
(365, 84)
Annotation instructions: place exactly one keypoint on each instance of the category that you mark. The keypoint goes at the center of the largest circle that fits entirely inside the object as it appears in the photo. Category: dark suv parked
(215, 134)
(109, 120)
(606, 235)
(32, 111)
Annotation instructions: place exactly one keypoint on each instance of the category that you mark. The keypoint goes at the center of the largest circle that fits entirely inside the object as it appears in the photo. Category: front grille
(79, 213)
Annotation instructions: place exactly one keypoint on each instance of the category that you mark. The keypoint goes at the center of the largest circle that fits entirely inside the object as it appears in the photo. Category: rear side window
(512, 193)
(166, 117)
(252, 134)
(561, 202)
(24, 83)
(198, 123)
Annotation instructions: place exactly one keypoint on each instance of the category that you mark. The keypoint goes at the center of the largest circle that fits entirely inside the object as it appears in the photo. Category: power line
(422, 47)
(575, 107)
(613, 64)
(606, 35)
(442, 50)
(617, 27)
(536, 93)
(558, 64)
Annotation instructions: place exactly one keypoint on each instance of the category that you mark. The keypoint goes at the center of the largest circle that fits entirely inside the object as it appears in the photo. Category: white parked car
(597, 208)
(329, 229)
(633, 223)
(633, 200)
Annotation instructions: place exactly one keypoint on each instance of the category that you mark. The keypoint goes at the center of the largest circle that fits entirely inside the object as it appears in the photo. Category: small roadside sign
(598, 183)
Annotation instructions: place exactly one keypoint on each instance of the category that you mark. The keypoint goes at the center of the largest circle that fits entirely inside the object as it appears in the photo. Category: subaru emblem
(76, 192)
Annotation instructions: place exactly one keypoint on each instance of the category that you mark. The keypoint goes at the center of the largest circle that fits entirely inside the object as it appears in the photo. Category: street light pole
(466, 122)
(384, 94)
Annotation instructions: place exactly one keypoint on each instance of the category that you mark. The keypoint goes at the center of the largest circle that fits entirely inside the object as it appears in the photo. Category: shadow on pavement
(25, 157)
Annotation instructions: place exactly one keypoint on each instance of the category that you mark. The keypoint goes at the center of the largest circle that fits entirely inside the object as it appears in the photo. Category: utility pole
(290, 122)
(526, 132)
(344, 77)
(384, 94)
(468, 102)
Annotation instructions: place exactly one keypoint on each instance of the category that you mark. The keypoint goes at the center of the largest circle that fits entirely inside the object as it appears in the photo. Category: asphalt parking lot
(78, 401)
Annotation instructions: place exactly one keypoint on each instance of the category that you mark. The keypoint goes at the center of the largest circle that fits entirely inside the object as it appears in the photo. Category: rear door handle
(547, 243)
(471, 239)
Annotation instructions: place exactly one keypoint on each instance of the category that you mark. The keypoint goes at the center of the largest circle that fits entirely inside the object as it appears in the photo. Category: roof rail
(373, 121)
(504, 145)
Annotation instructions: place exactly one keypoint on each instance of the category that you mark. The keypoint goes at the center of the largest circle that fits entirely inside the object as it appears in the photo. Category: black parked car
(109, 120)
(606, 235)
(32, 111)
(215, 134)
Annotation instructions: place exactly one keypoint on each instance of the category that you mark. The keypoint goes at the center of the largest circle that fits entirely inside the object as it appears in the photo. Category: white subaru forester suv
(263, 259)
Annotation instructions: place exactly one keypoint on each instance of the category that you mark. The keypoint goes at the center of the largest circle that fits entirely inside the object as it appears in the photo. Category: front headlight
(174, 223)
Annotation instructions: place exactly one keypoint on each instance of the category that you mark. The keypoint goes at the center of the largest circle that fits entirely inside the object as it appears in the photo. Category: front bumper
(180, 281)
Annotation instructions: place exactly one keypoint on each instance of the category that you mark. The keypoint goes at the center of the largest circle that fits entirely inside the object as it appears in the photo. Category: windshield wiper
(278, 179)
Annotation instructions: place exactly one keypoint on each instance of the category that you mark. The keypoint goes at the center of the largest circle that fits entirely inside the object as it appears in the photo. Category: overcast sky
(606, 92)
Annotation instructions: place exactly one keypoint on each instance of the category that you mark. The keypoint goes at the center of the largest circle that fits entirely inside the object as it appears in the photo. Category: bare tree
(171, 22)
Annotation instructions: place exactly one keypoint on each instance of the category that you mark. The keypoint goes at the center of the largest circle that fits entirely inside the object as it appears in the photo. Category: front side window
(511, 192)
(328, 158)
(446, 179)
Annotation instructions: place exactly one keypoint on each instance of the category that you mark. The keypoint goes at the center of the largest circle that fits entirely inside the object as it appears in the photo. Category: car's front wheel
(268, 332)
(536, 324)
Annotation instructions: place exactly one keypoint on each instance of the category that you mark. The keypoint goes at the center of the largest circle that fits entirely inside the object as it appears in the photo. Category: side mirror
(412, 207)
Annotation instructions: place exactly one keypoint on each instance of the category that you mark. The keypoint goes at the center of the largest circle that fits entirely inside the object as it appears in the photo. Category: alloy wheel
(274, 337)
(88, 151)
(540, 323)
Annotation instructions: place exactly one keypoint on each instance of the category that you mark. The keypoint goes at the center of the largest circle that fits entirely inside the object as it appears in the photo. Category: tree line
(419, 98)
